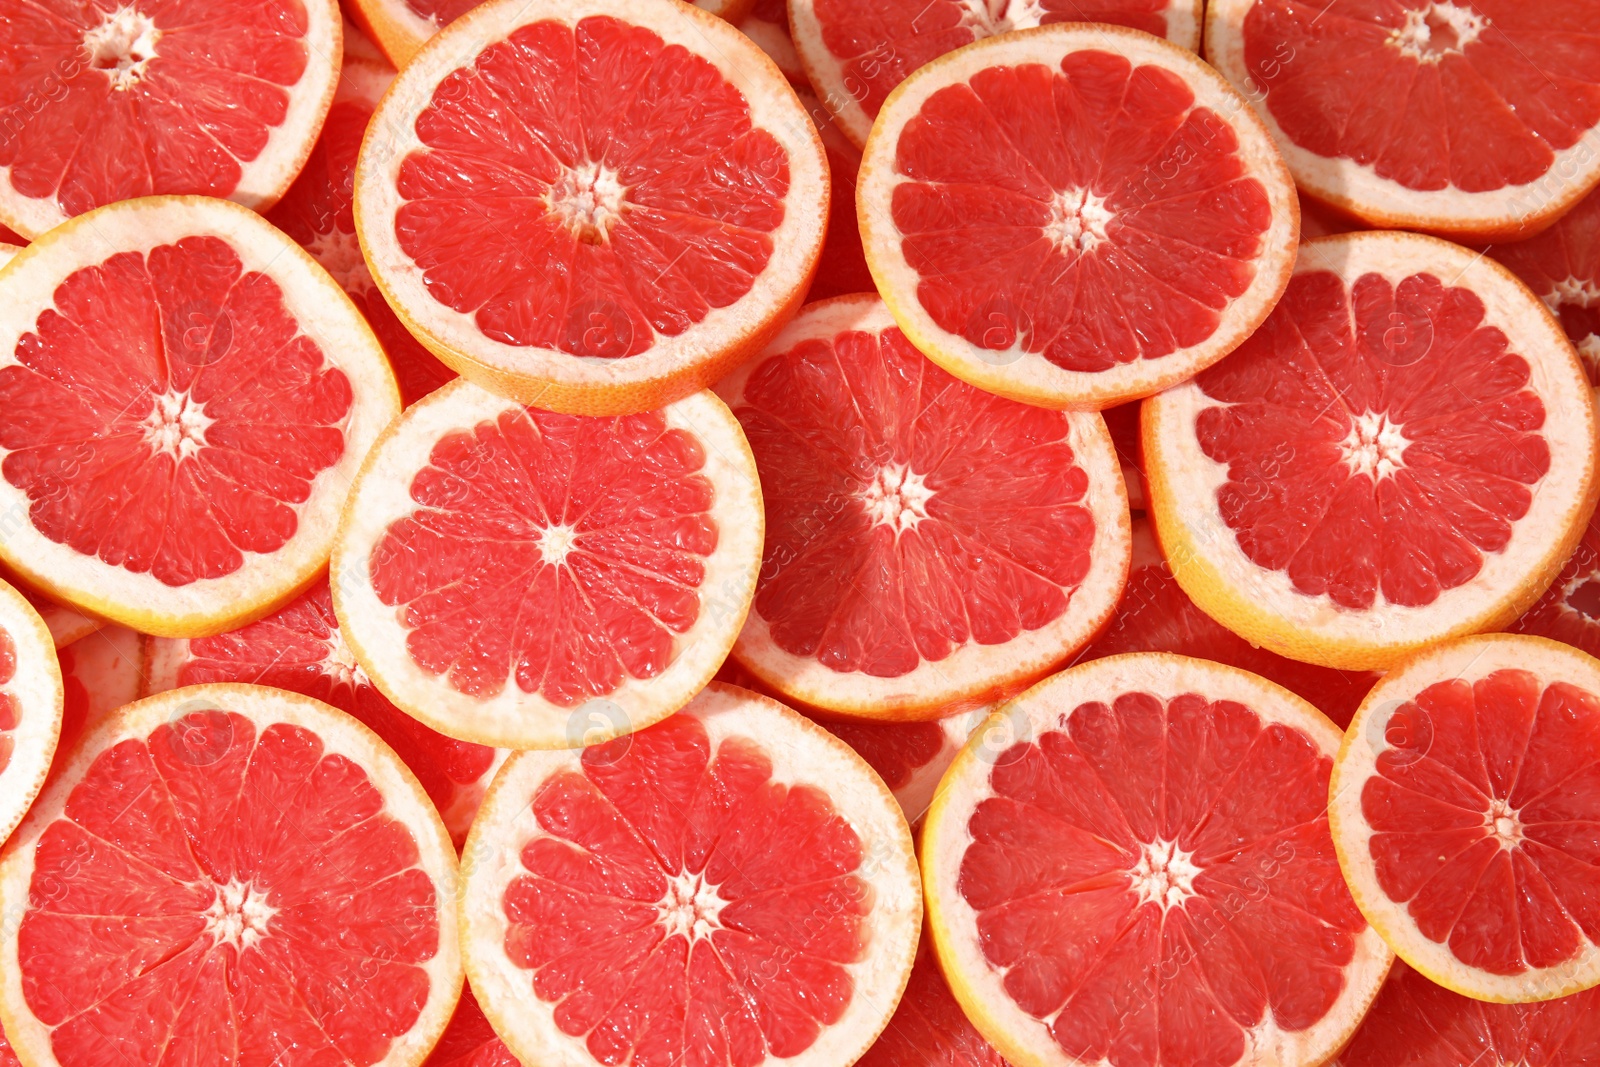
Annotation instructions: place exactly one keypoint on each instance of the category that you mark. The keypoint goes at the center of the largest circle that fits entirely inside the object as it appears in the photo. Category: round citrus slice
(1415, 1023)
(31, 706)
(910, 757)
(318, 213)
(1463, 807)
(469, 1040)
(649, 221)
(299, 648)
(1404, 452)
(855, 54)
(1569, 611)
(1155, 615)
(230, 874)
(531, 580)
(767, 25)
(1074, 216)
(1474, 120)
(929, 1027)
(105, 102)
(929, 545)
(842, 266)
(185, 397)
(1130, 864)
(1562, 267)
(732, 886)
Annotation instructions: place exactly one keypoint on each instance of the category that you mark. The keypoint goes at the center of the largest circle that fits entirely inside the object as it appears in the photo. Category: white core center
(122, 46)
(239, 915)
(177, 425)
(1438, 30)
(1501, 820)
(588, 199)
(341, 664)
(986, 18)
(1374, 446)
(691, 907)
(556, 542)
(339, 254)
(1078, 221)
(1583, 293)
(896, 497)
(1164, 874)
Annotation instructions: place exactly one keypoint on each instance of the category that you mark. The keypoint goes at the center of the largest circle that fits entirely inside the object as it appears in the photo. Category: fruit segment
(31, 706)
(1562, 267)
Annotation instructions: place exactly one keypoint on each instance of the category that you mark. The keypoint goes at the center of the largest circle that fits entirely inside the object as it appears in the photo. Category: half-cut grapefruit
(910, 757)
(650, 220)
(530, 580)
(929, 1027)
(1562, 267)
(185, 397)
(31, 706)
(1131, 864)
(929, 545)
(1569, 610)
(1404, 452)
(732, 886)
(1475, 120)
(1463, 806)
(1074, 216)
(469, 1040)
(230, 874)
(110, 101)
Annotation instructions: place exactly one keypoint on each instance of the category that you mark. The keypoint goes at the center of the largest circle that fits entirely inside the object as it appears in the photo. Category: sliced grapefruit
(1476, 120)
(109, 101)
(1562, 267)
(1569, 610)
(929, 1027)
(66, 625)
(1464, 806)
(649, 221)
(99, 674)
(910, 757)
(1074, 216)
(31, 706)
(842, 267)
(1404, 452)
(185, 397)
(230, 874)
(1156, 616)
(929, 545)
(317, 212)
(767, 25)
(530, 580)
(1415, 1023)
(1131, 864)
(469, 1040)
(732, 886)
(855, 54)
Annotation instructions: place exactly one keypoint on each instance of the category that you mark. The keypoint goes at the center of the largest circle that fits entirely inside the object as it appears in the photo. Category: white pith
(37, 689)
(339, 254)
(240, 915)
(177, 425)
(1503, 822)
(1375, 446)
(1078, 221)
(589, 200)
(691, 907)
(896, 497)
(1415, 37)
(122, 45)
(556, 543)
(341, 664)
(1164, 874)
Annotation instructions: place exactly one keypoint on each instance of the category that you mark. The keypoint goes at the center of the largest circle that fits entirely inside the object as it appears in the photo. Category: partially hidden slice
(66, 624)
(910, 757)
(767, 25)
(1477, 121)
(650, 220)
(318, 213)
(929, 545)
(1463, 807)
(225, 873)
(1074, 216)
(31, 706)
(185, 397)
(842, 266)
(1569, 611)
(1132, 866)
(1562, 267)
(110, 101)
(300, 648)
(99, 675)
(929, 1027)
(855, 54)
(530, 580)
(732, 886)
(469, 1040)
(1404, 452)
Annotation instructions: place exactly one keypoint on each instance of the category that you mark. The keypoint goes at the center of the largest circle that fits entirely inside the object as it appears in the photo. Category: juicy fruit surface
(896, 750)
(10, 706)
(1040, 206)
(1569, 611)
(557, 553)
(188, 441)
(1380, 439)
(1562, 267)
(1431, 95)
(440, 12)
(630, 197)
(182, 900)
(317, 212)
(151, 96)
(681, 905)
(1156, 878)
(908, 513)
(929, 1027)
(1482, 810)
(469, 1040)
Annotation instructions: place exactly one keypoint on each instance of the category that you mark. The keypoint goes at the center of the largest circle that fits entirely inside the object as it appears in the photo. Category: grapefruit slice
(1156, 616)
(230, 874)
(300, 648)
(1415, 1023)
(1562, 267)
(30, 706)
(105, 102)
(1472, 120)
(649, 221)
(317, 212)
(1131, 864)
(185, 397)
(99, 675)
(1074, 216)
(855, 54)
(66, 625)
(842, 266)
(910, 757)
(469, 1040)
(929, 545)
(530, 580)
(1403, 453)
(1569, 611)
(929, 1027)
(768, 26)
(1463, 807)
(732, 886)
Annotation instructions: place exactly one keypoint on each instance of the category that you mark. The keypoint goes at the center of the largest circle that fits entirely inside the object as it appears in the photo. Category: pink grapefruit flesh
(1562, 267)
(1569, 610)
